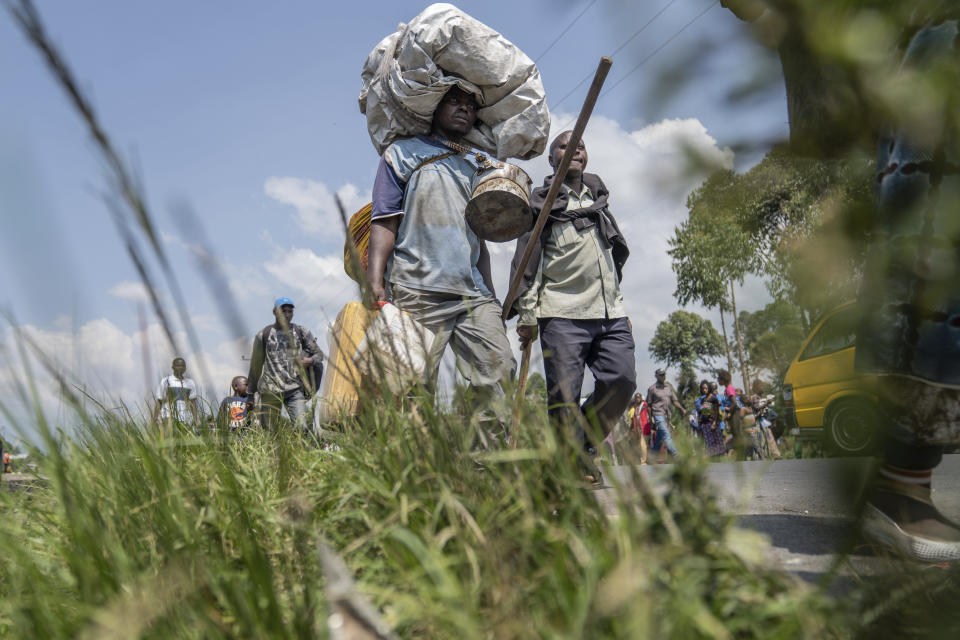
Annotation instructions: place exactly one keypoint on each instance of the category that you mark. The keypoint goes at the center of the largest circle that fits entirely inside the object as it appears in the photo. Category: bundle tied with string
(406, 76)
(409, 71)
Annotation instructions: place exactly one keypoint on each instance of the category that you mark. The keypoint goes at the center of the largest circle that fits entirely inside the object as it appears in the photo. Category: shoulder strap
(433, 159)
(358, 231)
(300, 334)
(299, 331)
(265, 333)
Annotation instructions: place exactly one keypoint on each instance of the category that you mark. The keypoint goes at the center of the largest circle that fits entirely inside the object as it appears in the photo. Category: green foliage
(536, 388)
(796, 222)
(807, 219)
(135, 533)
(685, 339)
(772, 336)
(709, 250)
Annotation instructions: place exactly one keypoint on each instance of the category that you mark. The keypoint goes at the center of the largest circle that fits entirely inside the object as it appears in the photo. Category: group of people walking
(424, 258)
(722, 419)
(286, 366)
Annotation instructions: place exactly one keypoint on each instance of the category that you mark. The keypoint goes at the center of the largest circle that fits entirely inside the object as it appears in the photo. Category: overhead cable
(650, 55)
(564, 32)
(615, 52)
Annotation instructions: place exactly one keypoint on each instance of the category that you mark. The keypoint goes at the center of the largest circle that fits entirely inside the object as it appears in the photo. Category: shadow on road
(809, 535)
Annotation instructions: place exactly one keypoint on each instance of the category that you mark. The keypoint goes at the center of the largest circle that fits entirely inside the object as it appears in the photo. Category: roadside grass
(137, 532)
(130, 531)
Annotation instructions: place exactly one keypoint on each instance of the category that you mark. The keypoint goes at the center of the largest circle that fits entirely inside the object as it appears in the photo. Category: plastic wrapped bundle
(407, 74)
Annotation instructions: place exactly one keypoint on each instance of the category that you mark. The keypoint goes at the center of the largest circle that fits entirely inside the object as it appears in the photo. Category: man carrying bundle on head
(571, 297)
(421, 247)
(434, 91)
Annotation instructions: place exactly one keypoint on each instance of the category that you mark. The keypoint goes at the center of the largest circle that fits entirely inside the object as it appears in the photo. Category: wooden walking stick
(592, 94)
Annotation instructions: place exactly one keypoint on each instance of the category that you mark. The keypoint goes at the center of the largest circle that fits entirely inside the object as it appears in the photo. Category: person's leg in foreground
(899, 511)
(296, 405)
(909, 333)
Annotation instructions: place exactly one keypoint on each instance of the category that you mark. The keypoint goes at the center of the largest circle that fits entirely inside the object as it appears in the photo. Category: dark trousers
(606, 346)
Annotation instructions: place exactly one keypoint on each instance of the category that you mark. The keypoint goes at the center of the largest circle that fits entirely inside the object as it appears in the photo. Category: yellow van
(823, 397)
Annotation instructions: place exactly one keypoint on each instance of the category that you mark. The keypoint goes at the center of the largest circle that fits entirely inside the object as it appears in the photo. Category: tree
(806, 219)
(711, 252)
(796, 222)
(772, 337)
(685, 339)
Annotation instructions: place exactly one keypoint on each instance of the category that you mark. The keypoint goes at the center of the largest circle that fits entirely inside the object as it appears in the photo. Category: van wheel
(852, 427)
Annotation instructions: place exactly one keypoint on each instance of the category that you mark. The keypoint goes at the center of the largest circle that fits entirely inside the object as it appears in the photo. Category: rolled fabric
(408, 72)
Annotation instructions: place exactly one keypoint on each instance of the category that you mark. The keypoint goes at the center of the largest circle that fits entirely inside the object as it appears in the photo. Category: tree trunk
(826, 116)
(736, 332)
(726, 341)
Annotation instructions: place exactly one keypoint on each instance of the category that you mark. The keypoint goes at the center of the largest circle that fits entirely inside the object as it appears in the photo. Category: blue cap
(279, 302)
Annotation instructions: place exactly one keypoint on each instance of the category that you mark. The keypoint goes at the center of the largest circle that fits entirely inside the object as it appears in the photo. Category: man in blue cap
(282, 354)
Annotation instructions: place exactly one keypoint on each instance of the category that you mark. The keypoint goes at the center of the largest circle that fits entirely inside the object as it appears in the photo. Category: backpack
(358, 233)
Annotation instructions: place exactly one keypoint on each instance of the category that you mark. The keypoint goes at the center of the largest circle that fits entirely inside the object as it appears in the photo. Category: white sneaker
(881, 528)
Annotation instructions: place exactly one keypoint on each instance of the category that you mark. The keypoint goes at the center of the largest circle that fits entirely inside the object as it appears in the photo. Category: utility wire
(650, 55)
(615, 52)
(564, 32)
(658, 49)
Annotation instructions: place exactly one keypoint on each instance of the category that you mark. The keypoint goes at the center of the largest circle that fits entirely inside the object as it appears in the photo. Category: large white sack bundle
(408, 73)
(395, 349)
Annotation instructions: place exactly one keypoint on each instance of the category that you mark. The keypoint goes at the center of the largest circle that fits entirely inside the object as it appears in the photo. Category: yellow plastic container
(338, 392)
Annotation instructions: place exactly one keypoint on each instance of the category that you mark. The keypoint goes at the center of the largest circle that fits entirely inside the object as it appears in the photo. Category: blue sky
(248, 112)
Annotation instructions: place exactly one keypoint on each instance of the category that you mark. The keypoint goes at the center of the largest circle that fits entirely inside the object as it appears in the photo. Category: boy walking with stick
(571, 297)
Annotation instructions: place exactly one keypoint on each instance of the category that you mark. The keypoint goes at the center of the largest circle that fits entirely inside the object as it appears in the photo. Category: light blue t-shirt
(435, 249)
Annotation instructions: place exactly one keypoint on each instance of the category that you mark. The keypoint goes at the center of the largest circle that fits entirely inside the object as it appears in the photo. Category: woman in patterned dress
(710, 420)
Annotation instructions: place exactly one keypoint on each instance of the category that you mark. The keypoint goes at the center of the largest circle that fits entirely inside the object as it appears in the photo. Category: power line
(651, 54)
(563, 33)
(658, 49)
(615, 52)
(640, 30)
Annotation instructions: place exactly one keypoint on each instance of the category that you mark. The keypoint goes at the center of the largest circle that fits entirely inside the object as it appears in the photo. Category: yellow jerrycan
(341, 381)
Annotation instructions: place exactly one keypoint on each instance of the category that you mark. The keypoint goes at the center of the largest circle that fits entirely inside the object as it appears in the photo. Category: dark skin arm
(383, 236)
(257, 357)
(677, 404)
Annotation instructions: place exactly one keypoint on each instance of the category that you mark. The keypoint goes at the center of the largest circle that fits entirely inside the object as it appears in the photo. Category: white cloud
(110, 365)
(316, 209)
(318, 285)
(132, 291)
(304, 271)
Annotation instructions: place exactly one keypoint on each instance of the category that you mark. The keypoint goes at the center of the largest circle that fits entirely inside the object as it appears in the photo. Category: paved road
(806, 507)
(15, 480)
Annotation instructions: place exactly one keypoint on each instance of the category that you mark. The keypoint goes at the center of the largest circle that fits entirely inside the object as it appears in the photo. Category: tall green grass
(136, 533)
(131, 531)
